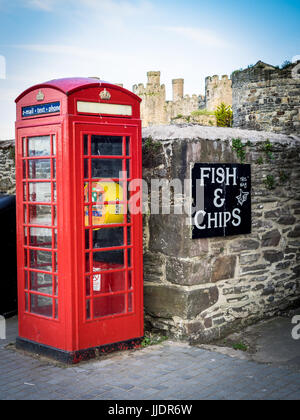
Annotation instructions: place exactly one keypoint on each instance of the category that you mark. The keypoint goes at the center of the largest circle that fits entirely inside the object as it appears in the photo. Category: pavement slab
(168, 371)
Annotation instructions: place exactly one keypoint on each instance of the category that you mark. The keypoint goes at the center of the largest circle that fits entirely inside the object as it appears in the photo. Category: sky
(120, 40)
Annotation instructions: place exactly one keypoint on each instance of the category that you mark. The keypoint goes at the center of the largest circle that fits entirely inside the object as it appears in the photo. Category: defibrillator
(107, 198)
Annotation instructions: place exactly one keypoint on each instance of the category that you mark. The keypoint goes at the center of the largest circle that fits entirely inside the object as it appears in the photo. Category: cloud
(201, 36)
(44, 5)
(56, 49)
(119, 7)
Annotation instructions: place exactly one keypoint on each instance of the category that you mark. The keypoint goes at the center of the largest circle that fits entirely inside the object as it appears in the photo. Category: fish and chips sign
(221, 196)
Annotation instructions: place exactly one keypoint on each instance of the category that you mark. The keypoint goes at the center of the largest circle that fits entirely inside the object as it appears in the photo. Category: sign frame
(221, 200)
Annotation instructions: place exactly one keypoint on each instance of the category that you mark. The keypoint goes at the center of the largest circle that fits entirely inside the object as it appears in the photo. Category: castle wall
(153, 96)
(155, 110)
(217, 90)
(267, 98)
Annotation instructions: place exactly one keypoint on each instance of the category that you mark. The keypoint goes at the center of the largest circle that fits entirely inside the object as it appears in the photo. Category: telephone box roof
(72, 84)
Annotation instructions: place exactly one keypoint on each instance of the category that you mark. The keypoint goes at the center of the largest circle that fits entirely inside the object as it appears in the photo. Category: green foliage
(270, 182)
(150, 339)
(240, 346)
(151, 146)
(260, 161)
(283, 177)
(224, 115)
(267, 148)
(240, 149)
(285, 64)
(236, 72)
(200, 112)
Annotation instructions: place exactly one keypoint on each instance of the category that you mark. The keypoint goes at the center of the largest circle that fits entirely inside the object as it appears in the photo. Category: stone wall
(7, 167)
(202, 289)
(217, 90)
(267, 98)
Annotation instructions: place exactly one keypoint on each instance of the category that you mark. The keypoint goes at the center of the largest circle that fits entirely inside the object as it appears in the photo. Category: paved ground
(169, 371)
(268, 342)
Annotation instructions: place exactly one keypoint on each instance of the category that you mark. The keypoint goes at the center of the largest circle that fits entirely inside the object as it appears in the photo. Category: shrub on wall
(224, 115)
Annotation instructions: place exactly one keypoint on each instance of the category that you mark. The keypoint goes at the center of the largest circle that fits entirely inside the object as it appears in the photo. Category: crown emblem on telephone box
(105, 95)
(40, 96)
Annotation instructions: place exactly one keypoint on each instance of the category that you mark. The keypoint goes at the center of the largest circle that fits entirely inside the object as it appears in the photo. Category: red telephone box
(80, 285)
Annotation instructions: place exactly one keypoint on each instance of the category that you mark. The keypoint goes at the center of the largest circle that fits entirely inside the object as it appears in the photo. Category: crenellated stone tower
(153, 96)
(217, 90)
(155, 110)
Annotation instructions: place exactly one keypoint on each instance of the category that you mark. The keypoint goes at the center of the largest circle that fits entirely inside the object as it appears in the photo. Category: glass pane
(86, 168)
(85, 145)
(87, 262)
(86, 192)
(105, 238)
(86, 216)
(40, 215)
(107, 146)
(41, 282)
(130, 302)
(87, 239)
(55, 262)
(55, 309)
(40, 237)
(130, 282)
(109, 282)
(87, 286)
(55, 238)
(26, 280)
(54, 144)
(108, 260)
(39, 169)
(25, 258)
(54, 191)
(129, 257)
(24, 146)
(54, 168)
(39, 146)
(24, 192)
(41, 305)
(41, 260)
(128, 236)
(40, 191)
(88, 310)
(26, 302)
(109, 305)
(55, 286)
(25, 214)
(127, 146)
(128, 168)
(24, 169)
(106, 168)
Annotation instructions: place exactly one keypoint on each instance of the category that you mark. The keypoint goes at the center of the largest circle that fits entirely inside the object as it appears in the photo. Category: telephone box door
(110, 244)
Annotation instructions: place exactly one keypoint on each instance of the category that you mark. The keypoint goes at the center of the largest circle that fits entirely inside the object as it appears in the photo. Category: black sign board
(221, 200)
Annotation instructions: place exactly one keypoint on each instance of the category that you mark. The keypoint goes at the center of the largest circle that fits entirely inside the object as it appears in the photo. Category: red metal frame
(67, 327)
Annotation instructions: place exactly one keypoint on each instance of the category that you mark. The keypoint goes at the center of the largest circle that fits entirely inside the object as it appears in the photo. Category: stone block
(170, 301)
(244, 245)
(273, 256)
(154, 267)
(223, 268)
(188, 272)
(271, 238)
